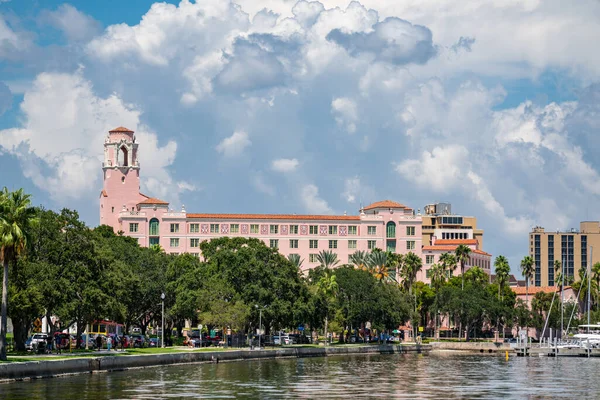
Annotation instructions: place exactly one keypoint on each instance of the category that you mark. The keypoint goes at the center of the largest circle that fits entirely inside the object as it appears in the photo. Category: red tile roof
(120, 129)
(522, 290)
(103, 193)
(384, 204)
(456, 241)
(277, 216)
(440, 248)
(448, 248)
(152, 200)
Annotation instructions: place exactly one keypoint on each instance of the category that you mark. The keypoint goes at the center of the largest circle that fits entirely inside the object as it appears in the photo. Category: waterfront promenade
(33, 367)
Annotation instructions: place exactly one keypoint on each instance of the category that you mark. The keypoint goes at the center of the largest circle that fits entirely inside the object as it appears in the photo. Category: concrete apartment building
(573, 248)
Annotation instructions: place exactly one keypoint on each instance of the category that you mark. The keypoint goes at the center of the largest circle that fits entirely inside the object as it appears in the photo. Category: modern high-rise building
(572, 248)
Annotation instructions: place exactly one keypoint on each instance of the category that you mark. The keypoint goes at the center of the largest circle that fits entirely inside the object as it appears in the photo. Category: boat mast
(589, 304)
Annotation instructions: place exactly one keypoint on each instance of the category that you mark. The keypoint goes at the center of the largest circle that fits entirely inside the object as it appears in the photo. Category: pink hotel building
(386, 224)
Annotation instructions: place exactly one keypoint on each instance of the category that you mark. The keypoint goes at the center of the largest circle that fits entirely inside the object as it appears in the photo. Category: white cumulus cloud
(312, 202)
(284, 165)
(234, 145)
(345, 113)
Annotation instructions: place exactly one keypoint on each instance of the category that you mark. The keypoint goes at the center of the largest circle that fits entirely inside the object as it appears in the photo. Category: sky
(284, 106)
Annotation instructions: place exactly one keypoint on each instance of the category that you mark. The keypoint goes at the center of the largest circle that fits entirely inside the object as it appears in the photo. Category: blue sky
(311, 107)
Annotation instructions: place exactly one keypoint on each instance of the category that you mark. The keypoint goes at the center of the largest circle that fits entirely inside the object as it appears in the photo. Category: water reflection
(386, 376)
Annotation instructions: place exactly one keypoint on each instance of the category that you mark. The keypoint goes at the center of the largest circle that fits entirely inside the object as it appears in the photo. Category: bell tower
(121, 173)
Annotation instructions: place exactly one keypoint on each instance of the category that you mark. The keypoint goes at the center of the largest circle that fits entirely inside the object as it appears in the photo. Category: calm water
(385, 376)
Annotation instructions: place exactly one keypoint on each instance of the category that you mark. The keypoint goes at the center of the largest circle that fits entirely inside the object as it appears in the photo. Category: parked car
(35, 340)
(296, 338)
(279, 340)
(153, 342)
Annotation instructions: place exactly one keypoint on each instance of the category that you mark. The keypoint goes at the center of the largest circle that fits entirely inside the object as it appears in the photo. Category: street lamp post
(259, 324)
(162, 328)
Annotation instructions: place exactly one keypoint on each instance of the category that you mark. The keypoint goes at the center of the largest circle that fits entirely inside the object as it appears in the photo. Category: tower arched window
(154, 227)
(391, 229)
(123, 156)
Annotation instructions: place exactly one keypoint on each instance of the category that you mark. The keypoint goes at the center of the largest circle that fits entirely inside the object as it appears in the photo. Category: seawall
(472, 347)
(50, 368)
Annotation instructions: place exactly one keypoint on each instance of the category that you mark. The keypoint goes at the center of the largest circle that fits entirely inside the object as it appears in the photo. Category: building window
(371, 230)
(333, 244)
(214, 228)
(253, 228)
(293, 243)
(333, 229)
(174, 242)
(274, 243)
(194, 242)
(274, 229)
(429, 259)
(194, 228)
(312, 258)
(371, 244)
(174, 228)
(153, 227)
(391, 230)
(351, 244)
(313, 244)
(410, 231)
(133, 227)
(410, 245)
(313, 230)
(234, 228)
(197, 255)
(293, 229)
(352, 230)
(154, 241)
(391, 246)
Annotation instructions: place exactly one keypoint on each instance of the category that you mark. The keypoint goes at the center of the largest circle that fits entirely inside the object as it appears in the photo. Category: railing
(132, 214)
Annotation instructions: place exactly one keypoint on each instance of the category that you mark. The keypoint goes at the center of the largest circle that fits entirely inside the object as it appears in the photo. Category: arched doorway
(123, 156)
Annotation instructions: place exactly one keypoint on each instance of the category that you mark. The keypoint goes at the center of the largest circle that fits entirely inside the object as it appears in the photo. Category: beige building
(572, 248)
(439, 223)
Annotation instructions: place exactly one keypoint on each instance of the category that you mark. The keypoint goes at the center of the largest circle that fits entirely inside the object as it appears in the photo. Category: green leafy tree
(17, 219)
(328, 288)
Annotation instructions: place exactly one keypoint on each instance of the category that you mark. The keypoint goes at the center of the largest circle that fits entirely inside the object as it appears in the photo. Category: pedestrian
(117, 340)
(98, 342)
(108, 342)
(57, 340)
(123, 341)
(49, 344)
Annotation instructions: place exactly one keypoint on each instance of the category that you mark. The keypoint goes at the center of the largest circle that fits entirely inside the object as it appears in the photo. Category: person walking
(99, 342)
(123, 342)
(117, 340)
(57, 340)
(49, 344)
(109, 342)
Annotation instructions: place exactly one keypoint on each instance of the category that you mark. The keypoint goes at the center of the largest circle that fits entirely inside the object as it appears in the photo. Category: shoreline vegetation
(56, 267)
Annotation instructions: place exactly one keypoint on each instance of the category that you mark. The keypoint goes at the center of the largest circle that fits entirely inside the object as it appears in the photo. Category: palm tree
(410, 267)
(463, 254)
(379, 264)
(328, 287)
(437, 274)
(502, 275)
(527, 269)
(296, 260)
(17, 218)
(557, 273)
(448, 262)
(359, 259)
(328, 259)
